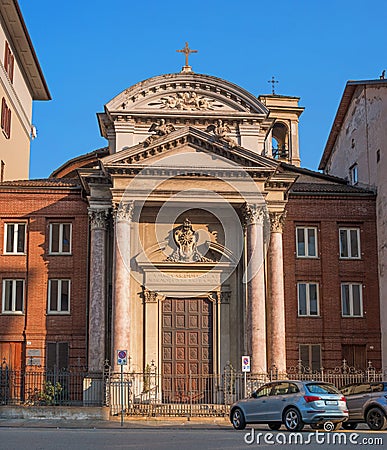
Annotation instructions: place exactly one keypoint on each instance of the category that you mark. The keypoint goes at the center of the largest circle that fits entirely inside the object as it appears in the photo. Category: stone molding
(99, 218)
(277, 221)
(253, 214)
(123, 211)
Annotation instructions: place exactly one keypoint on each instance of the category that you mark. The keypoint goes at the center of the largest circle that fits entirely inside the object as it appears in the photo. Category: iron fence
(150, 393)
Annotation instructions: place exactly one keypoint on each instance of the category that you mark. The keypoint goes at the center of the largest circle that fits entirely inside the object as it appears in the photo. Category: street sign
(122, 357)
(245, 363)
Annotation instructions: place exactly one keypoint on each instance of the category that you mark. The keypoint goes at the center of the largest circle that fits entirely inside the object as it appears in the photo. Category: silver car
(293, 403)
(367, 402)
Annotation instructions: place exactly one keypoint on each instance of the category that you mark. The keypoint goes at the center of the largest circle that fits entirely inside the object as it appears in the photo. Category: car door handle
(284, 399)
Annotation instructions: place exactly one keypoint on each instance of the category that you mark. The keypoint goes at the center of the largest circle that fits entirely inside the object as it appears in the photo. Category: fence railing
(153, 394)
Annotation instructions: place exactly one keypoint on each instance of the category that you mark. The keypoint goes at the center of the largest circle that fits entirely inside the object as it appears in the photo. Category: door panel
(187, 352)
(11, 353)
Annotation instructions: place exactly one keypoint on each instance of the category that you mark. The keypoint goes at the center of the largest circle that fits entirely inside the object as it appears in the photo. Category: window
(306, 242)
(9, 61)
(351, 300)
(13, 296)
(5, 119)
(310, 356)
(349, 243)
(353, 174)
(308, 299)
(14, 238)
(58, 296)
(60, 238)
(57, 355)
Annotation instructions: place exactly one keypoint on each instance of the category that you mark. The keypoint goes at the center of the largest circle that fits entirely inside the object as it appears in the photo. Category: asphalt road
(180, 439)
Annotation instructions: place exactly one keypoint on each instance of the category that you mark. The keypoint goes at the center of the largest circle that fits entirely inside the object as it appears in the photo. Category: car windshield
(321, 388)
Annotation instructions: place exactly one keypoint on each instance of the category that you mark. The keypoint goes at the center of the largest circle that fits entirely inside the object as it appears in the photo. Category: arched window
(280, 141)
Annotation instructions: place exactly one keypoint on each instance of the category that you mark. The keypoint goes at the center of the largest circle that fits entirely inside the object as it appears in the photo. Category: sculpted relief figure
(221, 130)
(187, 101)
(186, 241)
(160, 129)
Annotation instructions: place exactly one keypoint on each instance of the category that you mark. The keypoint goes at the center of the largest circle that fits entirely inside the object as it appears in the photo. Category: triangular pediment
(189, 147)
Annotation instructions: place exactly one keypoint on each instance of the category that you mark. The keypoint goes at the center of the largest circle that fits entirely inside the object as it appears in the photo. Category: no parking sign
(245, 363)
(122, 357)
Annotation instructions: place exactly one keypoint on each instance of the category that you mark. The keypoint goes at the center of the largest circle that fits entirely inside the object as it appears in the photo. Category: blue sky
(92, 50)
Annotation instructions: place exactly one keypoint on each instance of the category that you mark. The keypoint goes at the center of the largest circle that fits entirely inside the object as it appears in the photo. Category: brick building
(43, 266)
(194, 238)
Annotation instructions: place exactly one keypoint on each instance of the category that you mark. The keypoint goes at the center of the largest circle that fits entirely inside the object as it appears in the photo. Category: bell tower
(282, 139)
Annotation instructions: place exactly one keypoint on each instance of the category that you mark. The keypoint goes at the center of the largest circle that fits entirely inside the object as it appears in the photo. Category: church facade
(194, 238)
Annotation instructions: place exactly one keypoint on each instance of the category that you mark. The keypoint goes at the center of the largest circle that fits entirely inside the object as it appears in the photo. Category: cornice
(23, 49)
(196, 138)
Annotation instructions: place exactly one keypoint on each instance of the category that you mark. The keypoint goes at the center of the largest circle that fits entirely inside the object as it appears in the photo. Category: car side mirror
(254, 395)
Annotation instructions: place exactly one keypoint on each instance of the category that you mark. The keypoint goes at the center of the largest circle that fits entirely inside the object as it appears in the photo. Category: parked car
(367, 402)
(293, 403)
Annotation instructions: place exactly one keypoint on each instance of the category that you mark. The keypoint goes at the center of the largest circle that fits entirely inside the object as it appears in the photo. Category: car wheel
(292, 420)
(275, 425)
(349, 425)
(238, 419)
(376, 419)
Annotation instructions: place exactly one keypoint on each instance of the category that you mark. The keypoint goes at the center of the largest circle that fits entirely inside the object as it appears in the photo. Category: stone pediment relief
(186, 101)
(186, 93)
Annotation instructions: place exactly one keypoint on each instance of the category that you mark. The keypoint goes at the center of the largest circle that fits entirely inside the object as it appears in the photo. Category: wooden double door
(187, 349)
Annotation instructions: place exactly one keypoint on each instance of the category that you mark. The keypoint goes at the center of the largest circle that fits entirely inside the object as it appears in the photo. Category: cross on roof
(186, 50)
(272, 81)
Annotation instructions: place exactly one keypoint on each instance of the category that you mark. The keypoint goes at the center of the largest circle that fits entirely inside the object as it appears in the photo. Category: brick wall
(35, 328)
(330, 329)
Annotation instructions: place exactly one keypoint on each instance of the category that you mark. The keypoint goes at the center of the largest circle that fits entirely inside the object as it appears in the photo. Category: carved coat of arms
(186, 240)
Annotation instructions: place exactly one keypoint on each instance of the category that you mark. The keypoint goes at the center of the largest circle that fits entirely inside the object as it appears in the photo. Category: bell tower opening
(280, 141)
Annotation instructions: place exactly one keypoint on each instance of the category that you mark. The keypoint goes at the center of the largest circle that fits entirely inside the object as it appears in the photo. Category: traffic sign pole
(122, 360)
(122, 395)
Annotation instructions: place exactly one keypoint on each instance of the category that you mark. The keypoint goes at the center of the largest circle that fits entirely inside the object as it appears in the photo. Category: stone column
(97, 291)
(276, 302)
(121, 283)
(254, 216)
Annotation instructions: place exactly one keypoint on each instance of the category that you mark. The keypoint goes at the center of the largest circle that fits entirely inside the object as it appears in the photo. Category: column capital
(152, 296)
(253, 213)
(277, 220)
(123, 211)
(98, 218)
(220, 296)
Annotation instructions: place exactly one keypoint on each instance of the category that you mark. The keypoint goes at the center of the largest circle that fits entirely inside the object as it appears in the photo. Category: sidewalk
(140, 422)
